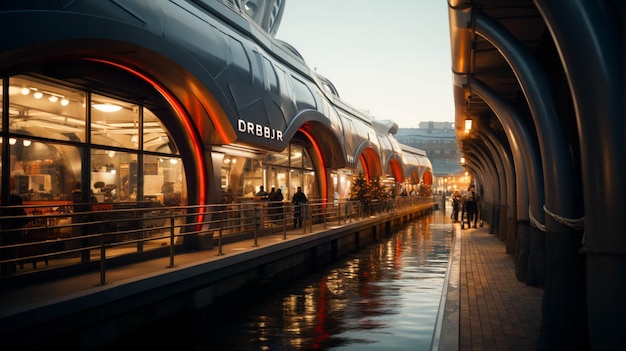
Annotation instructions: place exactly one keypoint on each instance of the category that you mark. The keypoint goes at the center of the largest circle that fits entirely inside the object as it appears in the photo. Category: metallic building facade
(210, 105)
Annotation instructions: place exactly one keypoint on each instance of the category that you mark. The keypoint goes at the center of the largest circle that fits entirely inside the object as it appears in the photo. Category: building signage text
(259, 130)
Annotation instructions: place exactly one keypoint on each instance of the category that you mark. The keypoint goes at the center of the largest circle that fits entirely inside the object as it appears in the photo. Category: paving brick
(497, 312)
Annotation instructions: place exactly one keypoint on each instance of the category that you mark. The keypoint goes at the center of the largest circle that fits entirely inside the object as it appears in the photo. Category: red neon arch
(365, 167)
(318, 152)
(180, 112)
(397, 170)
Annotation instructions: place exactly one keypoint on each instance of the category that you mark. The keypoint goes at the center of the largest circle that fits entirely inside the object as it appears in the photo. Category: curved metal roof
(475, 58)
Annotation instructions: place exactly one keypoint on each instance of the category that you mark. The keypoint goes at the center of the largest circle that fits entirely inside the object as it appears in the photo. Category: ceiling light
(107, 107)
(53, 98)
(25, 91)
(65, 101)
(26, 142)
(38, 94)
(468, 125)
(13, 90)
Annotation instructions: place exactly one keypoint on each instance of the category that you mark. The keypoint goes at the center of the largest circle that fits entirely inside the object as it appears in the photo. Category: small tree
(360, 189)
(425, 191)
(376, 190)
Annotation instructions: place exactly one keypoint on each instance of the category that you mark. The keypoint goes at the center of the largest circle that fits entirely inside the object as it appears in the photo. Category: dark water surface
(384, 297)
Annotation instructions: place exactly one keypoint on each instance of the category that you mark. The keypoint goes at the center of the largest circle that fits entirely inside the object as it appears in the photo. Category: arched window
(60, 136)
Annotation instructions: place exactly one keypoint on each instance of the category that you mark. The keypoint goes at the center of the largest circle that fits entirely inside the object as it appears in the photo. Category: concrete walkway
(497, 312)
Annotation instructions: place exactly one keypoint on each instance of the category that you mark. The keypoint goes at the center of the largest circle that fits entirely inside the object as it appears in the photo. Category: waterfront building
(438, 140)
(176, 103)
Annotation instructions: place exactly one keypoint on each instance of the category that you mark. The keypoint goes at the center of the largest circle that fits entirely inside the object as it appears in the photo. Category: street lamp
(468, 125)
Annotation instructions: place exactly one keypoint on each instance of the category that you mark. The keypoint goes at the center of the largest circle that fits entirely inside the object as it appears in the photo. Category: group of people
(275, 196)
(467, 205)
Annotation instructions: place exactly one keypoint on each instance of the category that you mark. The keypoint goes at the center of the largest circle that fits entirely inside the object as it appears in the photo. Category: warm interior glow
(107, 107)
(318, 152)
(468, 125)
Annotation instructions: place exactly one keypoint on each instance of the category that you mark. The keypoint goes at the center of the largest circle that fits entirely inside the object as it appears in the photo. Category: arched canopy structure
(543, 82)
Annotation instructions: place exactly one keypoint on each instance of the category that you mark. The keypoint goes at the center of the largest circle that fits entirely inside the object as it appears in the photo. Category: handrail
(61, 238)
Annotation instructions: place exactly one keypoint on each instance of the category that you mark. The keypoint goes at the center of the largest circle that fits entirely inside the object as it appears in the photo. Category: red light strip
(319, 155)
(397, 170)
(365, 168)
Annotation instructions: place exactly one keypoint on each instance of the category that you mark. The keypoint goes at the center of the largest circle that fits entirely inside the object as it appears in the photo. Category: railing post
(284, 220)
(339, 213)
(305, 216)
(255, 223)
(102, 257)
(172, 239)
(219, 241)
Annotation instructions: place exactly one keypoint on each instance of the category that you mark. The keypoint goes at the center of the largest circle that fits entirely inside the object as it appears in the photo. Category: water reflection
(384, 297)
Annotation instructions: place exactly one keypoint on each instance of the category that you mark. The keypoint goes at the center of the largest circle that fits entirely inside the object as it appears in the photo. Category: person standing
(471, 206)
(456, 205)
(298, 200)
(262, 194)
(12, 231)
(279, 204)
(273, 198)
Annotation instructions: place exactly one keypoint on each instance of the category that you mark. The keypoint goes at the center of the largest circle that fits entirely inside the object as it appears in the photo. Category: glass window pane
(164, 180)
(295, 156)
(43, 172)
(47, 110)
(114, 122)
(155, 135)
(113, 175)
(309, 187)
(306, 159)
(232, 166)
(279, 159)
(295, 180)
(252, 178)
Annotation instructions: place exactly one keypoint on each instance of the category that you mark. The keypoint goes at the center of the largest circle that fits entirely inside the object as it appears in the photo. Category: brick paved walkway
(497, 312)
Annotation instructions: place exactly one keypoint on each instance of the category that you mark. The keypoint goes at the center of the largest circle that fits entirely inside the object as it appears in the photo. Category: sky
(390, 58)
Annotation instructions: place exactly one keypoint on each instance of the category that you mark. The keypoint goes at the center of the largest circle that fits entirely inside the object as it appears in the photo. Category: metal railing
(57, 236)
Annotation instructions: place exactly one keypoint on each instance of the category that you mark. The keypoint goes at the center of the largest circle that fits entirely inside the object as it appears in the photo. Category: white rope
(574, 223)
(535, 222)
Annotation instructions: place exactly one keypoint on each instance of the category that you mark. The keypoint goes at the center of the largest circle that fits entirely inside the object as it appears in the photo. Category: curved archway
(149, 94)
(370, 162)
(198, 166)
(395, 168)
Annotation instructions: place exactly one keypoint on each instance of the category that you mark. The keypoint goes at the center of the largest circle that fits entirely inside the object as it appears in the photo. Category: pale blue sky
(391, 58)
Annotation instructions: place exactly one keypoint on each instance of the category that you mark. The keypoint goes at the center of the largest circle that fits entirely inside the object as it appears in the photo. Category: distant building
(438, 139)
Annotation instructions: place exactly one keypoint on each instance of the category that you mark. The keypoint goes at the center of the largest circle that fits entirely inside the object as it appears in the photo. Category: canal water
(384, 297)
